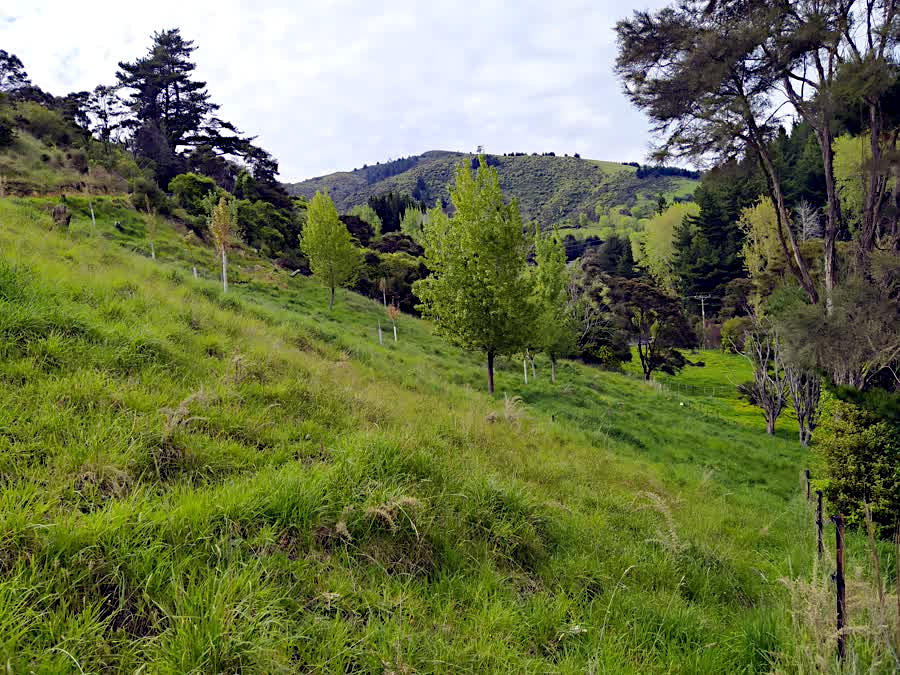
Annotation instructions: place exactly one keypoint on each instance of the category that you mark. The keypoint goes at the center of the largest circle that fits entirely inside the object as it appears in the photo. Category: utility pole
(703, 299)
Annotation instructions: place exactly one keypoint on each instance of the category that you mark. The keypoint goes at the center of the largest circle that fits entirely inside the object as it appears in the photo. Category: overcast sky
(331, 85)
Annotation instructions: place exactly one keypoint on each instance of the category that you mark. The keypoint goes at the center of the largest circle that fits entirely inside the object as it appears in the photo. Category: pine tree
(171, 111)
(479, 292)
(333, 257)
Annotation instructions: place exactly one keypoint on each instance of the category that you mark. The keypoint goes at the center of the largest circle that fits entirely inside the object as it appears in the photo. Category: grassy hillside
(549, 189)
(204, 483)
(49, 155)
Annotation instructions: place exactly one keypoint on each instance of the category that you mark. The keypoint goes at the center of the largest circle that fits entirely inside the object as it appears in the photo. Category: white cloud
(332, 85)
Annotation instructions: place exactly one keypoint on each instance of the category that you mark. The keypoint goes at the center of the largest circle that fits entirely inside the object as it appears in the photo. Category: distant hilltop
(550, 188)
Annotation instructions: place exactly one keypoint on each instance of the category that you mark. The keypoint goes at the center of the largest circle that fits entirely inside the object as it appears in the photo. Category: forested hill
(550, 189)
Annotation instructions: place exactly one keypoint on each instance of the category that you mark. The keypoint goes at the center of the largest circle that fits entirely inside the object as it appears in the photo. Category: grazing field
(199, 482)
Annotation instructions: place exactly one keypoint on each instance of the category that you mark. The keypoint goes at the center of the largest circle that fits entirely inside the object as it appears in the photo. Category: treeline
(392, 168)
(647, 171)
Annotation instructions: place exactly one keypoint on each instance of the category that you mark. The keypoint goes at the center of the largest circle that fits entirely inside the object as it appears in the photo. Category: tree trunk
(152, 251)
(553, 369)
(800, 268)
(331, 302)
(490, 369)
(770, 425)
(224, 272)
(833, 223)
(395, 332)
(525, 369)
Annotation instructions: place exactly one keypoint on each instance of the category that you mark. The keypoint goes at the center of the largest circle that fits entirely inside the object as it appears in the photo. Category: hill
(199, 482)
(550, 189)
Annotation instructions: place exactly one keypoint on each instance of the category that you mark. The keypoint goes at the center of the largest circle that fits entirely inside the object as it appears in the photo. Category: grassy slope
(205, 483)
(549, 189)
(30, 165)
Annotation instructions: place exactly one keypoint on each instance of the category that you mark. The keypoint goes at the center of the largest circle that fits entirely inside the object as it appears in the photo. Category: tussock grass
(194, 483)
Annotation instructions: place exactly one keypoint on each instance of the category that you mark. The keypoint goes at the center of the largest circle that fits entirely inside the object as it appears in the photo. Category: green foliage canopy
(333, 257)
(479, 292)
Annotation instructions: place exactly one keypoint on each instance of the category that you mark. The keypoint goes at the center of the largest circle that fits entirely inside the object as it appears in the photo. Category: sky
(334, 84)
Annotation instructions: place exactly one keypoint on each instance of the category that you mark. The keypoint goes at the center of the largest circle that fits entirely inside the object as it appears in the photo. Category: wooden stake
(93, 220)
(840, 588)
(820, 547)
(525, 368)
(195, 272)
(806, 471)
(380, 340)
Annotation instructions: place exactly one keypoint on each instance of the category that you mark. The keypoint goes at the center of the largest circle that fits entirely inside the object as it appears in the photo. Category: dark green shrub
(189, 190)
(79, 161)
(862, 458)
(7, 133)
(733, 332)
(48, 125)
(145, 190)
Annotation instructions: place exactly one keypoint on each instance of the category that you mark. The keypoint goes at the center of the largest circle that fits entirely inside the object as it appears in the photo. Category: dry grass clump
(513, 411)
(668, 537)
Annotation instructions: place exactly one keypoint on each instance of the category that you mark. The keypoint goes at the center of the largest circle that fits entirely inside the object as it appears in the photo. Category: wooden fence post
(806, 471)
(820, 547)
(840, 590)
(380, 340)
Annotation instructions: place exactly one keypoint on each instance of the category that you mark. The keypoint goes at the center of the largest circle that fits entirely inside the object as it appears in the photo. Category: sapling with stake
(393, 312)
(221, 223)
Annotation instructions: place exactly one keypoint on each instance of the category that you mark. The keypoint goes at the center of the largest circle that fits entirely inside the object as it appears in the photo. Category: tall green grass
(195, 482)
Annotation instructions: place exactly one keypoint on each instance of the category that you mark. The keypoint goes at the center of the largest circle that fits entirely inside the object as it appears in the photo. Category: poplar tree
(333, 257)
(479, 292)
(554, 332)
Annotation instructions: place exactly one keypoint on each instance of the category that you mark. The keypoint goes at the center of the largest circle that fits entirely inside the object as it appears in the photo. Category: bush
(145, 189)
(79, 161)
(7, 133)
(733, 332)
(189, 191)
(48, 125)
(861, 454)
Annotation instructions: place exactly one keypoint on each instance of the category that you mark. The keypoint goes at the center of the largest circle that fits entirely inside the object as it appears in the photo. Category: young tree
(333, 257)
(412, 222)
(393, 314)
(805, 387)
(222, 222)
(479, 291)
(806, 217)
(554, 332)
(653, 320)
(768, 391)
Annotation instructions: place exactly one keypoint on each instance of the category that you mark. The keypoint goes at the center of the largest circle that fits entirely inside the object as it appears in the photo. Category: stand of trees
(813, 214)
